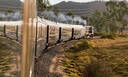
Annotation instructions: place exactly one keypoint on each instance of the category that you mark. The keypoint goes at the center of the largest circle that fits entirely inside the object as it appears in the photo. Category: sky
(57, 1)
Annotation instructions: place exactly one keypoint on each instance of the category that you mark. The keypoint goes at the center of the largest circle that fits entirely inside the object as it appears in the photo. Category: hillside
(13, 4)
(82, 9)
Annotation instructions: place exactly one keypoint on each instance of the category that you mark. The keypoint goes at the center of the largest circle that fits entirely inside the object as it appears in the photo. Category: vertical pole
(60, 33)
(27, 48)
(27, 64)
(4, 30)
(41, 31)
(72, 37)
(36, 40)
(47, 37)
(17, 33)
(21, 32)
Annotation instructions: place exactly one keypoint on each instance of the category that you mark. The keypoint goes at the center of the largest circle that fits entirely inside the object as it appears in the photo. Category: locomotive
(89, 31)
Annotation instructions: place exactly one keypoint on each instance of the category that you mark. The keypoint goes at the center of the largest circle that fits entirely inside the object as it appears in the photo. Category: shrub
(98, 34)
(108, 36)
(125, 36)
(97, 69)
(81, 45)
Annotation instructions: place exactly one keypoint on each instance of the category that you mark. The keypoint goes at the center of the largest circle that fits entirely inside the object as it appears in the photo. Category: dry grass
(108, 52)
(9, 58)
(5, 58)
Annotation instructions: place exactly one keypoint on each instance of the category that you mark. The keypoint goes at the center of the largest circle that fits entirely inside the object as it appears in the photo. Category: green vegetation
(43, 5)
(10, 10)
(108, 36)
(125, 36)
(5, 58)
(70, 13)
(97, 58)
(56, 10)
(112, 20)
(81, 46)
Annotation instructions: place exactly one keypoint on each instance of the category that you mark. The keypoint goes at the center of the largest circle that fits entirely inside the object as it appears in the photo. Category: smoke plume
(13, 16)
(50, 15)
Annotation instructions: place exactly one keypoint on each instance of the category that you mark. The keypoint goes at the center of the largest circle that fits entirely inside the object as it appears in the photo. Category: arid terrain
(9, 58)
(98, 57)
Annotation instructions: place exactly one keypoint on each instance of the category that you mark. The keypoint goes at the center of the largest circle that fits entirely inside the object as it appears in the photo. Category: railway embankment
(49, 64)
(9, 58)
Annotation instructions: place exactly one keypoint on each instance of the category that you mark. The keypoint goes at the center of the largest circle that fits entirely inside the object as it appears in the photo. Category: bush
(81, 46)
(97, 69)
(98, 34)
(125, 36)
(108, 36)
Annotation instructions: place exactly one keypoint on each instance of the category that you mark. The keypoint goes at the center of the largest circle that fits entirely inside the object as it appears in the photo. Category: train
(89, 31)
(46, 33)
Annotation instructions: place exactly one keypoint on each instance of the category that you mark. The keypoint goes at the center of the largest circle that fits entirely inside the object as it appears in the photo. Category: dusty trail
(49, 64)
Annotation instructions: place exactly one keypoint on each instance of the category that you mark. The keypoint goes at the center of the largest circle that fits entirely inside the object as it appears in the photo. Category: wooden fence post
(4, 30)
(72, 36)
(60, 33)
(17, 33)
(47, 37)
(36, 38)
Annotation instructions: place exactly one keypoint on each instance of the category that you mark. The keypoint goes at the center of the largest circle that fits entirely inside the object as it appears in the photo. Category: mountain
(82, 9)
(10, 4)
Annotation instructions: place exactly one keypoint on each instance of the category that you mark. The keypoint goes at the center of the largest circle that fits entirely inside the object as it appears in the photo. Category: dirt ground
(11, 60)
(49, 63)
(112, 52)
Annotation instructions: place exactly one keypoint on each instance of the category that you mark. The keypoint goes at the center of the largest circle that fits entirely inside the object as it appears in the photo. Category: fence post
(72, 37)
(41, 30)
(4, 30)
(17, 33)
(36, 38)
(47, 37)
(60, 33)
